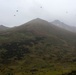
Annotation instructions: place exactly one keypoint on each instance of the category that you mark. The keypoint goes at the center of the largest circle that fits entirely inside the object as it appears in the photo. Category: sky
(17, 12)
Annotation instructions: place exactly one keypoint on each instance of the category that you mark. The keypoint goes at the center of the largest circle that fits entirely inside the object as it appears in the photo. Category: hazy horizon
(17, 12)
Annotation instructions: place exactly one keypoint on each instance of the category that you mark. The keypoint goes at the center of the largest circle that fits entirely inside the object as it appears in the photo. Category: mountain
(2, 27)
(37, 48)
(64, 26)
(41, 27)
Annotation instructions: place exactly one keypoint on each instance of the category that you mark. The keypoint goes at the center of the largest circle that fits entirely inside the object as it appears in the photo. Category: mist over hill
(64, 26)
(2, 27)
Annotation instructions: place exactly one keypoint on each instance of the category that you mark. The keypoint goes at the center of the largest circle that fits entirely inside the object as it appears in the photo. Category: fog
(17, 12)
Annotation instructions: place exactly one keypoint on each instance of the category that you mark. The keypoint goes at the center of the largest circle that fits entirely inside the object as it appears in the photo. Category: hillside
(37, 48)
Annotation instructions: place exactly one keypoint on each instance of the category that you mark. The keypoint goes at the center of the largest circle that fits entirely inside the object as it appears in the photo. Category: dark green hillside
(37, 48)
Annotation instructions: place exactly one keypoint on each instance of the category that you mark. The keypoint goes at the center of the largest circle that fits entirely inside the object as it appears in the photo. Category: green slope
(37, 48)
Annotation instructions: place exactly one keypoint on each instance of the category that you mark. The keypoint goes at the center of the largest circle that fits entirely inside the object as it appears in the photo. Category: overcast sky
(17, 12)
